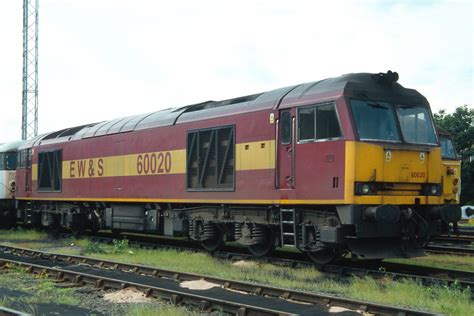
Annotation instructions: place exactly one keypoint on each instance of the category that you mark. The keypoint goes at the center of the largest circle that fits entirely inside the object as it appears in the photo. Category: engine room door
(286, 154)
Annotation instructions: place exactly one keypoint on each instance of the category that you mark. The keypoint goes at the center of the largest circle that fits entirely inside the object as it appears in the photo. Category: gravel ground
(91, 302)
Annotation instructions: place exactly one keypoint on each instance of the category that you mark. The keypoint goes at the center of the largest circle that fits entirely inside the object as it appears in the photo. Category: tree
(461, 125)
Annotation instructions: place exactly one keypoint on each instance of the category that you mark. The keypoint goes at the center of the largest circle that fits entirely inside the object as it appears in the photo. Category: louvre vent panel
(211, 159)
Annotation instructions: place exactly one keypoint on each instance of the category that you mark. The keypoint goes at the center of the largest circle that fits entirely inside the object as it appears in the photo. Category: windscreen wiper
(373, 103)
(377, 105)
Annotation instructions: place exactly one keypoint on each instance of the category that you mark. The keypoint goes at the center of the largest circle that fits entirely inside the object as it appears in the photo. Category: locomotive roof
(441, 131)
(354, 84)
(12, 146)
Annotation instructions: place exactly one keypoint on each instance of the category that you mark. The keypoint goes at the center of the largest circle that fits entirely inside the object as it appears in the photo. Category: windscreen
(383, 121)
(447, 148)
(8, 161)
(416, 124)
(375, 120)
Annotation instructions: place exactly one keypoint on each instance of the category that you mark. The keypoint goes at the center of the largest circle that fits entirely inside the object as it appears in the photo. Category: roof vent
(386, 79)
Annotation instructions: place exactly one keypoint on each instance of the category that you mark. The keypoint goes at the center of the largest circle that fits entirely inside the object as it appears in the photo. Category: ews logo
(86, 168)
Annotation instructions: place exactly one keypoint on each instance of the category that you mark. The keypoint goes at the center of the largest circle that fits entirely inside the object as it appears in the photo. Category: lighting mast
(29, 118)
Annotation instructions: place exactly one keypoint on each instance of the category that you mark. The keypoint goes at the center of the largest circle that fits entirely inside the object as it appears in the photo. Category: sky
(104, 59)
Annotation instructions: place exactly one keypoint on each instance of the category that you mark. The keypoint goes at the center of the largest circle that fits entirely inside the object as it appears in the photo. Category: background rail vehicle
(8, 161)
(347, 164)
(451, 167)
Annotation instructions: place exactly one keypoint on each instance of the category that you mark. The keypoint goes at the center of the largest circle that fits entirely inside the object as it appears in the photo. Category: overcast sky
(103, 59)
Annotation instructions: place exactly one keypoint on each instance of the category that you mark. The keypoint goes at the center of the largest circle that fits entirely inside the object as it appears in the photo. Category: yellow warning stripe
(249, 156)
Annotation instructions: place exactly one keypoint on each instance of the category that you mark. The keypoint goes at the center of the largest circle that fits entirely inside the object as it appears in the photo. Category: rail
(179, 297)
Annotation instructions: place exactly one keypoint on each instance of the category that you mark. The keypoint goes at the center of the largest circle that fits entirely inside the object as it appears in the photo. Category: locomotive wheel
(213, 244)
(264, 248)
(323, 256)
(77, 232)
(214, 237)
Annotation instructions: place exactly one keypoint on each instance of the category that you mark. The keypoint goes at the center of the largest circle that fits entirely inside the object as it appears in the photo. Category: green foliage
(445, 299)
(464, 263)
(94, 247)
(165, 310)
(22, 234)
(39, 289)
(461, 125)
(119, 245)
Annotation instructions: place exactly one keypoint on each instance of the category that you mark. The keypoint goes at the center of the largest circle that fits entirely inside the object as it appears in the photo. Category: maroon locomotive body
(271, 169)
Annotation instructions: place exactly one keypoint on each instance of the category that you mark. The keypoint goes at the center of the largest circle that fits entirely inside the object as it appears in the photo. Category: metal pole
(29, 120)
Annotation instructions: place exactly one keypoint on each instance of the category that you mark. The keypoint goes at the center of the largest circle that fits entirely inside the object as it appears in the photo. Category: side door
(286, 151)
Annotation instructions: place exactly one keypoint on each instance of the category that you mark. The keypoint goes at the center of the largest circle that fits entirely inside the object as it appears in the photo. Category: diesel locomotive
(350, 164)
(8, 160)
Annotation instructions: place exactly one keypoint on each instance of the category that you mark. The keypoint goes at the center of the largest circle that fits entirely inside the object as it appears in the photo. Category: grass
(441, 261)
(451, 300)
(41, 292)
(166, 310)
(22, 234)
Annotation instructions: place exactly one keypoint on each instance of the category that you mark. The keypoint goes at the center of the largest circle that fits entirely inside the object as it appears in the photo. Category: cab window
(318, 122)
(8, 161)
(447, 148)
(285, 128)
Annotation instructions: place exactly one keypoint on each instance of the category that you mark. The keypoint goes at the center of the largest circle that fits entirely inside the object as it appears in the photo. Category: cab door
(286, 151)
(28, 170)
(119, 169)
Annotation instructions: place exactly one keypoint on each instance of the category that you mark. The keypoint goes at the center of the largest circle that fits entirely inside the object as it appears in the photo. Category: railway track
(449, 249)
(466, 230)
(424, 275)
(347, 267)
(459, 239)
(233, 297)
(11, 312)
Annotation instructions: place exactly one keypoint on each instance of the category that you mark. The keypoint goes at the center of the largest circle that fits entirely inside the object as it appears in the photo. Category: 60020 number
(154, 163)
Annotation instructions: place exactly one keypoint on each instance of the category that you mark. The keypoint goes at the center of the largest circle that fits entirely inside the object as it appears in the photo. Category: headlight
(432, 189)
(365, 189)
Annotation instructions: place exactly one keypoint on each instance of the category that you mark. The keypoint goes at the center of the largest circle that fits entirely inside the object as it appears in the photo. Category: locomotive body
(344, 164)
(8, 159)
